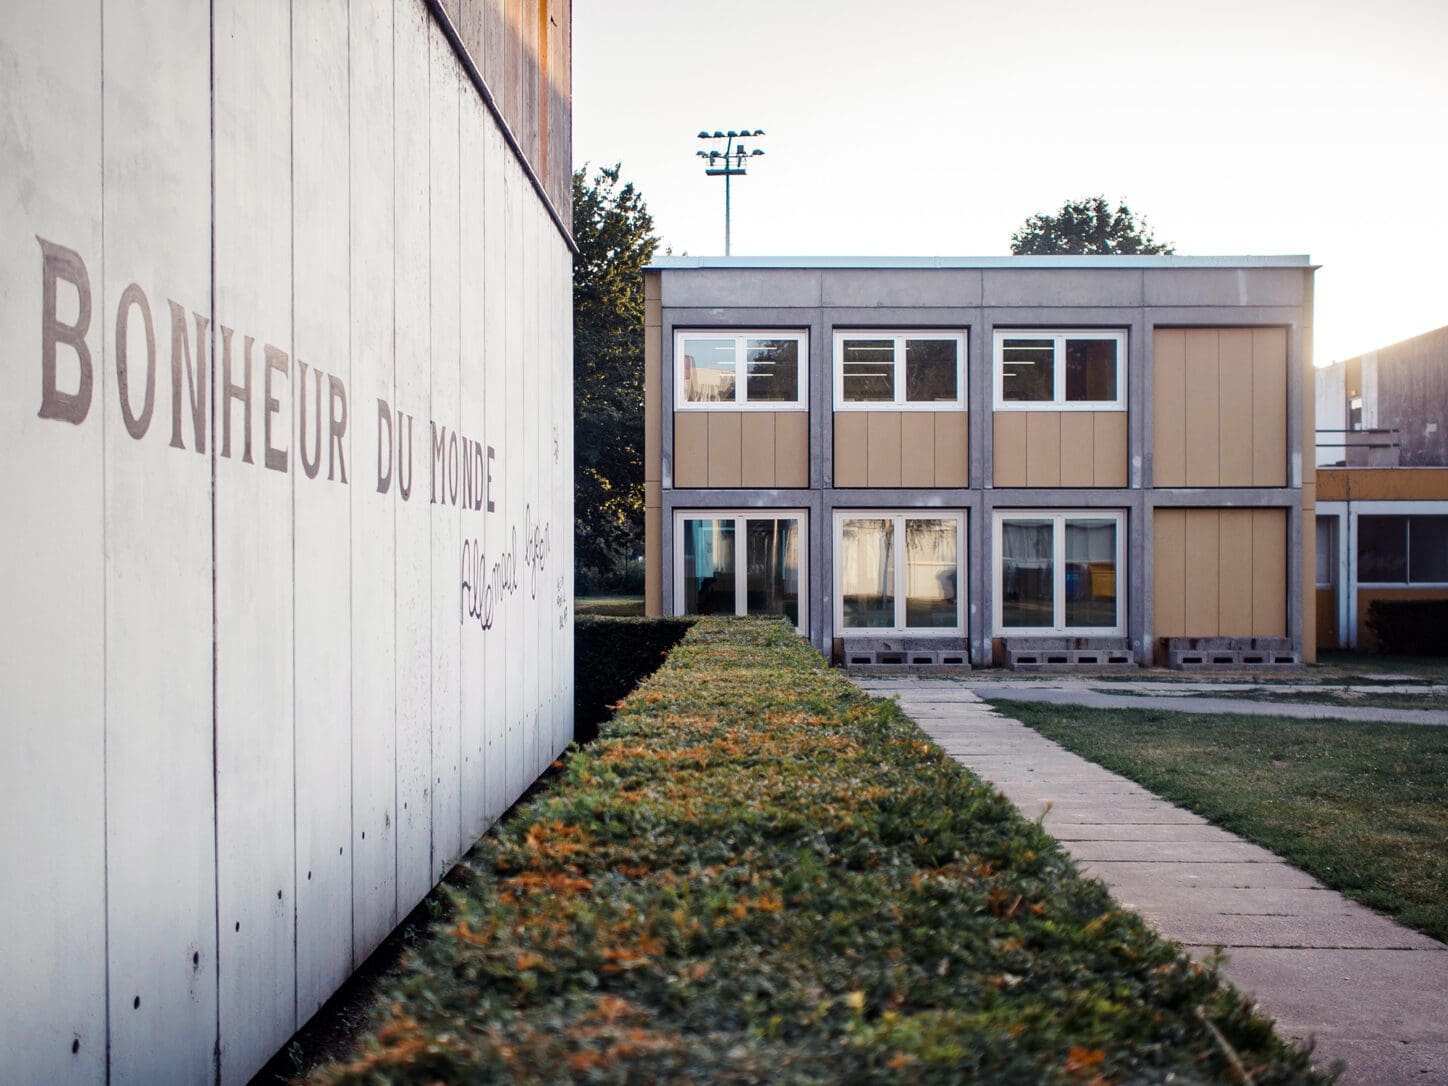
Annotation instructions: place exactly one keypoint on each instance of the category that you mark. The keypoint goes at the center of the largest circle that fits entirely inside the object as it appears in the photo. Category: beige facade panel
(1220, 572)
(653, 561)
(653, 384)
(1043, 448)
(1326, 627)
(1168, 554)
(952, 448)
(725, 448)
(1236, 406)
(756, 454)
(791, 449)
(1010, 448)
(883, 448)
(1200, 566)
(1269, 410)
(691, 448)
(1269, 572)
(1078, 448)
(1110, 448)
(851, 448)
(1236, 593)
(1169, 402)
(917, 448)
(1203, 407)
(1382, 484)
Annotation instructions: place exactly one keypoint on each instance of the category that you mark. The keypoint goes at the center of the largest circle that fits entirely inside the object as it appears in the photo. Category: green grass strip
(1361, 806)
(758, 874)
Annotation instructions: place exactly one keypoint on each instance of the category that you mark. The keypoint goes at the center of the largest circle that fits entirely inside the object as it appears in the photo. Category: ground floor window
(1402, 550)
(729, 563)
(899, 572)
(1056, 572)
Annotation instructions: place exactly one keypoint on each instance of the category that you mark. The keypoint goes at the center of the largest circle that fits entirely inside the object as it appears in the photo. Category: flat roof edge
(883, 263)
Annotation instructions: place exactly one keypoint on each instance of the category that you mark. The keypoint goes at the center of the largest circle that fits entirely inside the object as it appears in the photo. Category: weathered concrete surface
(1367, 991)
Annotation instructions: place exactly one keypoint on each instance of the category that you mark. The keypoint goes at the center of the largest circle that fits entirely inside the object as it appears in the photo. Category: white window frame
(741, 558)
(1059, 336)
(741, 370)
(900, 516)
(1407, 509)
(1058, 559)
(1332, 525)
(900, 403)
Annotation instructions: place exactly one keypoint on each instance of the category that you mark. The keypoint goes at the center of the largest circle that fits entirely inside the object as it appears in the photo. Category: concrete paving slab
(1190, 852)
(1271, 876)
(1201, 703)
(1191, 926)
(1183, 833)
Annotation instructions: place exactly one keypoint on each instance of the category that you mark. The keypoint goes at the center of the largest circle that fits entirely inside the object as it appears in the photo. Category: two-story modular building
(1019, 460)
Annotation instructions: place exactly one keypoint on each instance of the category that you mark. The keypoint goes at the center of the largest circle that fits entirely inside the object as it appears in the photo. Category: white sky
(937, 127)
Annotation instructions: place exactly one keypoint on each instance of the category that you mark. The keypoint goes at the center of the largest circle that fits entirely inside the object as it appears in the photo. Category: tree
(615, 236)
(1089, 225)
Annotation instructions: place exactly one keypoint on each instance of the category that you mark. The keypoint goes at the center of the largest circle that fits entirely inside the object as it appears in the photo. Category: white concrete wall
(269, 665)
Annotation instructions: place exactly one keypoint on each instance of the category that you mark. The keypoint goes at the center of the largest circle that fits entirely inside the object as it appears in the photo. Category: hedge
(1410, 627)
(610, 656)
(758, 874)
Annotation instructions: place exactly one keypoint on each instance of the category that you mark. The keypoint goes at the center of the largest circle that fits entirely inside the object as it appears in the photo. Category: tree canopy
(615, 236)
(1087, 226)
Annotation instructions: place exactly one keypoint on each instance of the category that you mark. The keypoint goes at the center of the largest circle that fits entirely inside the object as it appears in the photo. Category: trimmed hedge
(1410, 627)
(610, 656)
(759, 874)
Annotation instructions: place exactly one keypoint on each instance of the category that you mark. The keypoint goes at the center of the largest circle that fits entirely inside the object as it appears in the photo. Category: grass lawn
(1373, 667)
(759, 874)
(1428, 698)
(1364, 807)
(612, 606)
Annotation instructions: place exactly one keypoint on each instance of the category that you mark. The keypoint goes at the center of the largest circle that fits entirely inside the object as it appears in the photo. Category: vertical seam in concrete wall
(351, 625)
(105, 611)
(462, 833)
(396, 814)
(215, 763)
(291, 475)
(431, 741)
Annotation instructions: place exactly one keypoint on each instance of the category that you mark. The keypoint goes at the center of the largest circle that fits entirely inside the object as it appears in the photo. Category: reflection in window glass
(931, 574)
(709, 567)
(867, 573)
(1428, 550)
(1028, 369)
(1090, 573)
(772, 556)
(709, 370)
(1090, 370)
(1382, 550)
(1326, 552)
(930, 371)
(868, 370)
(1028, 575)
(773, 370)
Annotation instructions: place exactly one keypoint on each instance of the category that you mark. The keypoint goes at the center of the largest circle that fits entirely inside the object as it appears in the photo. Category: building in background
(1382, 517)
(1022, 460)
(287, 546)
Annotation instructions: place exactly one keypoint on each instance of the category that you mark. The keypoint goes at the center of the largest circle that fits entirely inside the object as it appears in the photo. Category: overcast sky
(936, 127)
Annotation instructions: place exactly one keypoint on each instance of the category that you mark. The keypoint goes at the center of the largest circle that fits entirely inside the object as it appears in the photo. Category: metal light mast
(732, 161)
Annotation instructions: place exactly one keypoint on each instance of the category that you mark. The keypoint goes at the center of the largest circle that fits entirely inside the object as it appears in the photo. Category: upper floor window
(912, 371)
(731, 370)
(1060, 370)
(1402, 550)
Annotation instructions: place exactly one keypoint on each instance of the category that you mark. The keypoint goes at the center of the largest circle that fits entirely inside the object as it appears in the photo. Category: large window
(740, 564)
(1326, 551)
(899, 572)
(734, 370)
(1060, 371)
(1402, 550)
(1057, 573)
(912, 371)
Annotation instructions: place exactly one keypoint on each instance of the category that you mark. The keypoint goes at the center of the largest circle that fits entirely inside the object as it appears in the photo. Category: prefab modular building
(286, 542)
(1025, 460)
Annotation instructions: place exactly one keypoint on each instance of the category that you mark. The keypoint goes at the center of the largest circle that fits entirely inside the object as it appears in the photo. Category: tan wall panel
(1234, 573)
(1382, 484)
(852, 448)
(791, 448)
(756, 456)
(917, 448)
(691, 448)
(1202, 408)
(1269, 572)
(1366, 641)
(883, 465)
(725, 436)
(653, 399)
(653, 562)
(1234, 419)
(1169, 399)
(1168, 557)
(1010, 448)
(952, 448)
(1078, 448)
(1043, 448)
(1201, 615)
(1269, 398)
(1110, 445)
(1308, 567)
(1326, 618)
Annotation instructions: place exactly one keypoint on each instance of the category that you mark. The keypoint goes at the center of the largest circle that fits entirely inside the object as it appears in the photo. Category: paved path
(1373, 993)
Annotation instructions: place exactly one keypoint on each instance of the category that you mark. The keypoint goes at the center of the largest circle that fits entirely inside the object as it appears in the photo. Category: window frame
(900, 336)
(1407, 518)
(1330, 522)
(741, 564)
(1058, 578)
(741, 370)
(899, 516)
(1059, 336)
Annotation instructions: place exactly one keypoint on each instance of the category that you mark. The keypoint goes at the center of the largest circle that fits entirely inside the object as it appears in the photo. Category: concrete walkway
(1372, 993)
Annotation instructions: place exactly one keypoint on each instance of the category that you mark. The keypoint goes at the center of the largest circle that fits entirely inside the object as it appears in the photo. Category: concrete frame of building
(981, 295)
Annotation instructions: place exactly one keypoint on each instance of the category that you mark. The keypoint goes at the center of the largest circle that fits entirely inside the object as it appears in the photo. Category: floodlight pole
(735, 163)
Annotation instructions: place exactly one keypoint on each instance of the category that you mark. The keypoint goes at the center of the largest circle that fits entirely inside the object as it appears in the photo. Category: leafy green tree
(1089, 225)
(615, 235)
